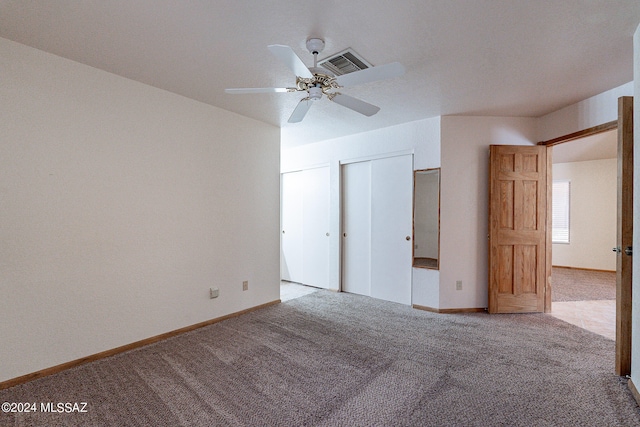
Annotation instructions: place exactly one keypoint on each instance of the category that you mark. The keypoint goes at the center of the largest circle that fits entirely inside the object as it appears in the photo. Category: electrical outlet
(214, 292)
(245, 285)
(458, 285)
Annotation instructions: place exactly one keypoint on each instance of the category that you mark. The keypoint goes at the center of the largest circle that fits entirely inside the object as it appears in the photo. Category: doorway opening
(624, 225)
(583, 265)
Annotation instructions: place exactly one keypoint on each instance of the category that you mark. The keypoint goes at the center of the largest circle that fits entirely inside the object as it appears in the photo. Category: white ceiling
(480, 57)
(595, 147)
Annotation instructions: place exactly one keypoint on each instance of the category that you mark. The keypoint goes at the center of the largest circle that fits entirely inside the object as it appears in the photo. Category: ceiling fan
(316, 81)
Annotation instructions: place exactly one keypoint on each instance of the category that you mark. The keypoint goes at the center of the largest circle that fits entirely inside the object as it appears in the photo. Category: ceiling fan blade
(300, 111)
(258, 90)
(372, 74)
(355, 104)
(291, 60)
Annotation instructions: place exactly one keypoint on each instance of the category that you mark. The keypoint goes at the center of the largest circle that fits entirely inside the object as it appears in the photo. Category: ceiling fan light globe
(315, 93)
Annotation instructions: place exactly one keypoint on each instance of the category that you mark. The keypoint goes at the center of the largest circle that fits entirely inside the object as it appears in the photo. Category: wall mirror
(426, 218)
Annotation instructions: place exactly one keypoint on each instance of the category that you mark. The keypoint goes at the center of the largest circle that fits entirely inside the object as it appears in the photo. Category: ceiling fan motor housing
(315, 45)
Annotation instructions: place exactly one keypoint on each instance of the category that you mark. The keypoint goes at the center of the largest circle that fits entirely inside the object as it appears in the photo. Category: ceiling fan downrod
(315, 86)
(315, 46)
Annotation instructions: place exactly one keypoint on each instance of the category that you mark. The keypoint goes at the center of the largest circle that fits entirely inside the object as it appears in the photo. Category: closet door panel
(356, 228)
(391, 228)
(315, 227)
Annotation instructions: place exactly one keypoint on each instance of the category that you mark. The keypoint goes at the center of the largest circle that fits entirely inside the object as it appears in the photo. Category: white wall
(120, 205)
(592, 212)
(464, 203)
(635, 327)
(422, 138)
(594, 111)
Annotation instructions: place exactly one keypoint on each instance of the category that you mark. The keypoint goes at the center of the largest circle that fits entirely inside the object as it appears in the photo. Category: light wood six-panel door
(518, 235)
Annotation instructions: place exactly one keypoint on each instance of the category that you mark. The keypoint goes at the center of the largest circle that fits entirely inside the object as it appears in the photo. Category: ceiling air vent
(344, 62)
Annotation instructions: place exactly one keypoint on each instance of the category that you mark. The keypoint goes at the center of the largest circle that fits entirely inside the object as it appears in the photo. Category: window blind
(560, 211)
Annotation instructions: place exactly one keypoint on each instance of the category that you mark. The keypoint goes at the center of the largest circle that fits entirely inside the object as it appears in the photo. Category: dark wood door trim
(581, 134)
(549, 225)
(624, 235)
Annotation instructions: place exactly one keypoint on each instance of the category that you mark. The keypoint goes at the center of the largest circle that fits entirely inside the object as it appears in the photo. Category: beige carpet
(335, 359)
(570, 284)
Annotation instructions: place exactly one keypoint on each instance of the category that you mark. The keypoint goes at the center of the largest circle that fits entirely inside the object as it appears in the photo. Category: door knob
(617, 249)
(628, 250)
(408, 238)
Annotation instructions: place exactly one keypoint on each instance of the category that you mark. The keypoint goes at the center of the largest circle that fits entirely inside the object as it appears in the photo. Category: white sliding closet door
(315, 229)
(391, 225)
(377, 219)
(356, 228)
(304, 254)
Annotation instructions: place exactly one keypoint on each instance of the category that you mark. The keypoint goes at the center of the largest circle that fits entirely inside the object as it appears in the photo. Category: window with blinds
(560, 211)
